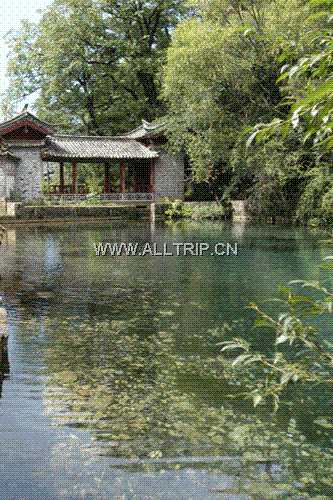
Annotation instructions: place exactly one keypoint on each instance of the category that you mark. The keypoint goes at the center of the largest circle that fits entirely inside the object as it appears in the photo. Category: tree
(221, 72)
(308, 87)
(94, 63)
(307, 93)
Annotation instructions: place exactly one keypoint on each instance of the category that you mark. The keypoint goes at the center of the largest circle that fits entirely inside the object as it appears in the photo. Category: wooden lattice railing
(121, 197)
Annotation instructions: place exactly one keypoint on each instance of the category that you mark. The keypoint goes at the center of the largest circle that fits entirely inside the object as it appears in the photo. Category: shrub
(176, 209)
(212, 211)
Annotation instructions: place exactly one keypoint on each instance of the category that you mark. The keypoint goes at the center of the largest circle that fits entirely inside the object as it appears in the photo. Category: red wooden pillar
(122, 176)
(136, 180)
(152, 177)
(107, 178)
(62, 178)
(74, 177)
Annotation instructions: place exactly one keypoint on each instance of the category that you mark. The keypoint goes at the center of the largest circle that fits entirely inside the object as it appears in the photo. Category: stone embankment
(18, 212)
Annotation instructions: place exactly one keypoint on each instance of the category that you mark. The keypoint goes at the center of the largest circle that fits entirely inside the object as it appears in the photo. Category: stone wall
(3, 181)
(7, 177)
(3, 209)
(169, 175)
(29, 172)
(30, 213)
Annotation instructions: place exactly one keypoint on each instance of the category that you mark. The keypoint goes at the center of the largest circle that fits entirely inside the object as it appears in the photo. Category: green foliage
(92, 178)
(176, 209)
(93, 63)
(300, 354)
(237, 64)
(308, 85)
(221, 75)
(270, 176)
(210, 211)
(316, 201)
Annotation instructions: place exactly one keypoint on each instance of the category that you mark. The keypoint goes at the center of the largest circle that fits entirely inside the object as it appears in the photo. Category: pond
(109, 393)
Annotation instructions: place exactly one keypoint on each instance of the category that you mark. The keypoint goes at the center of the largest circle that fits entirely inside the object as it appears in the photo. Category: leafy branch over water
(299, 354)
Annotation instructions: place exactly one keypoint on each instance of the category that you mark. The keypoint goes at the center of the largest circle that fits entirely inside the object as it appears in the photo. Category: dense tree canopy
(223, 78)
(309, 86)
(94, 64)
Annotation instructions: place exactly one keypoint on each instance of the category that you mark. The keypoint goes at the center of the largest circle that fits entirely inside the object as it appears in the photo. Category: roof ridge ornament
(6, 153)
(146, 124)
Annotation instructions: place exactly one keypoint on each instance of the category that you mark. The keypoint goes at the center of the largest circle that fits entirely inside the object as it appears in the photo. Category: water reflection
(112, 362)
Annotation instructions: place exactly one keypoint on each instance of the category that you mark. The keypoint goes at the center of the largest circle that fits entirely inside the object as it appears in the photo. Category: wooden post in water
(4, 362)
(153, 212)
(2, 234)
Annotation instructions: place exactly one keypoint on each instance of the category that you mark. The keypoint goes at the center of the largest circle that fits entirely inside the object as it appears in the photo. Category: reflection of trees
(59, 266)
(115, 362)
(4, 361)
(124, 388)
(118, 383)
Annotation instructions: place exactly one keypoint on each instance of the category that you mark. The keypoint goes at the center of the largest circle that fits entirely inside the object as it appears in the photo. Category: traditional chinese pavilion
(30, 149)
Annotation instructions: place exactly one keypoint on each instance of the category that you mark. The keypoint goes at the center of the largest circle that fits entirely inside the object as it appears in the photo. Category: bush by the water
(211, 211)
(177, 209)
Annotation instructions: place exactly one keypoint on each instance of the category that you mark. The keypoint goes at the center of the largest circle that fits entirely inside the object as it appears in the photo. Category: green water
(109, 395)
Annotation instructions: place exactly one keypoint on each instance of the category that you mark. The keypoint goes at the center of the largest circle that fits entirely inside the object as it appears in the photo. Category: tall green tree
(307, 89)
(308, 85)
(221, 79)
(94, 63)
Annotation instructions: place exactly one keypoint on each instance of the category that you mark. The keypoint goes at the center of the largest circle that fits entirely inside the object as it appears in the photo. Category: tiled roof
(94, 147)
(146, 130)
(23, 117)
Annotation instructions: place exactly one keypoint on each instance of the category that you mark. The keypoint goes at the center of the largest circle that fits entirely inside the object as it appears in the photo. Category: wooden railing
(121, 197)
(67, 189)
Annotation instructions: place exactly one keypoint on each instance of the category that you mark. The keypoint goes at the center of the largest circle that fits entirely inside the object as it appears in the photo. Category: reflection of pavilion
(8, 237)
